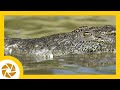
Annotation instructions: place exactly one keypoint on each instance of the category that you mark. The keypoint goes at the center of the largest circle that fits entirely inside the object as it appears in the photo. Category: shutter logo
(9, 70)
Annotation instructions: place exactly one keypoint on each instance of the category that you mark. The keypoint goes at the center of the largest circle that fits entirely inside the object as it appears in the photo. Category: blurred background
(38, 26)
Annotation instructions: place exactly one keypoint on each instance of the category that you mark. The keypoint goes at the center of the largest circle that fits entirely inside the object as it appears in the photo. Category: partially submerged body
(82, 40)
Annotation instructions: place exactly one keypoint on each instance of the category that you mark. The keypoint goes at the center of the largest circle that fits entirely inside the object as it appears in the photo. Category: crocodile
(84, 39)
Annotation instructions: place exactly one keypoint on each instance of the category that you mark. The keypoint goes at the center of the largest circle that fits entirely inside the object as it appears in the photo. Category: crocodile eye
(87, 34)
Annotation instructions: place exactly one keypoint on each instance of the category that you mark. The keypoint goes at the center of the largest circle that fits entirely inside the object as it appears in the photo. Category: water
(38, 26)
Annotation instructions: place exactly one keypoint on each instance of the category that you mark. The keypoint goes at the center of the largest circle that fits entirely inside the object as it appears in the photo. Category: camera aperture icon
(9, 70)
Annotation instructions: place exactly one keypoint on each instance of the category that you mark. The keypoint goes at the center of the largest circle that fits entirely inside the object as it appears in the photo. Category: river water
(38, 26)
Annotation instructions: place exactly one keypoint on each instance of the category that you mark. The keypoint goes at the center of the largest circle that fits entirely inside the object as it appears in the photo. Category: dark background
(59, 5)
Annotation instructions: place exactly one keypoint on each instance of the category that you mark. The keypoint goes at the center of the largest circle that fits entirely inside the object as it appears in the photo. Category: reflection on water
(36, 27)
(74, 64)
